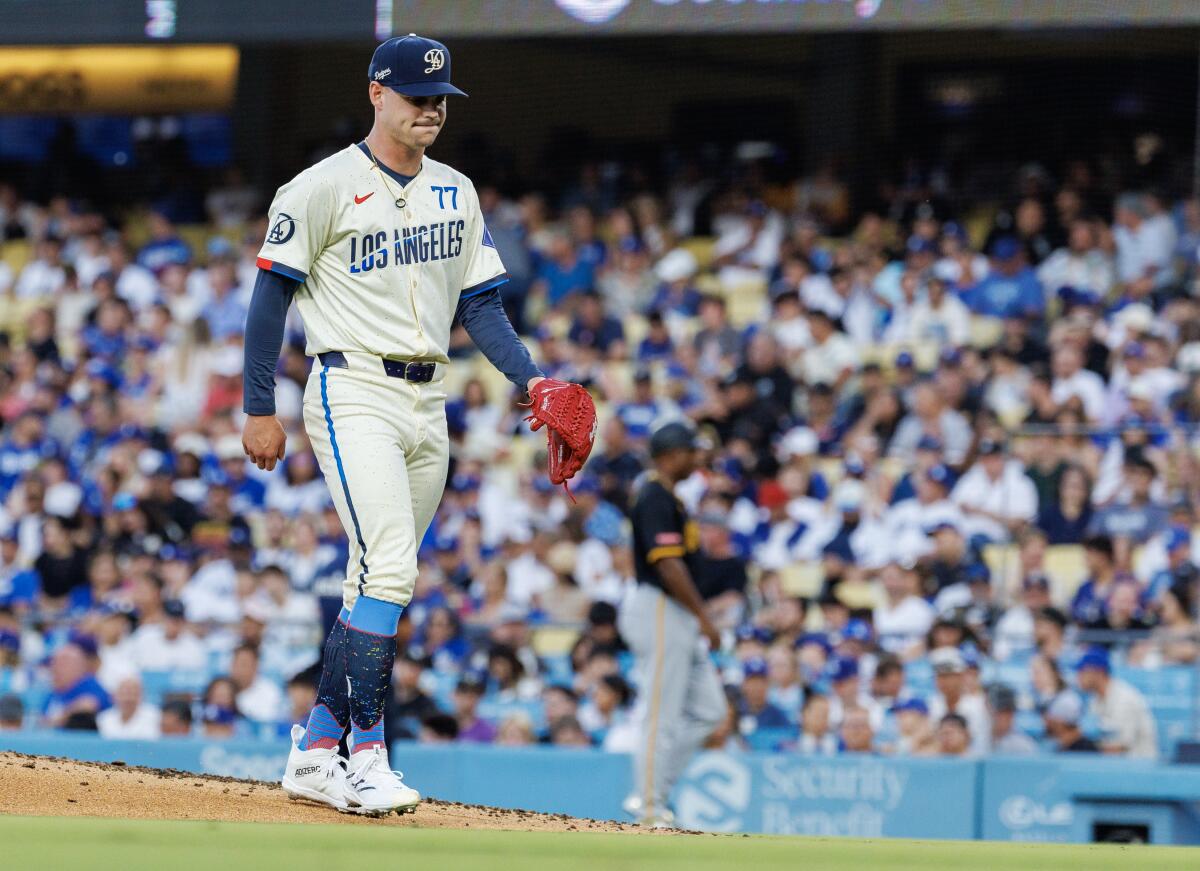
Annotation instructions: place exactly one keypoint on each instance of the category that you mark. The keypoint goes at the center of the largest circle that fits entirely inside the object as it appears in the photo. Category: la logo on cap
(436, 58)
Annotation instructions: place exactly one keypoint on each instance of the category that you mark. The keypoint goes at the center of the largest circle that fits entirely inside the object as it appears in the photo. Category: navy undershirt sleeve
(264, 340)
(489, 328)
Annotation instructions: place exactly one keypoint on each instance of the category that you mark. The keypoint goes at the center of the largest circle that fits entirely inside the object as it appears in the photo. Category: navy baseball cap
(990, 448)
(817, 638)
(748, 632)
(1094, 657)
(219, 715)
(920, 245)
(857, 630)
(842, 668)
(1006, 248)
(1177, 537)
(940, 474)
(955, 229)
(929, 443)
(754, 667)
(414, 66)
(910, 704)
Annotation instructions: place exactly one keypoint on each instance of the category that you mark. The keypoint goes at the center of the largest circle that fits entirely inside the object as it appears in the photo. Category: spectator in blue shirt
(643, 409)
(754, 711)
(106, 339)
(1180, 571)
(1087, 607)
(657, 344)
(165, 248)
(1011, 288)
(1138, 518)
(74, 687)
(225, 313)
(563, 272)
(25, 447)
(18, 585)
(1067, 520)
(596, 331)
(676, 294)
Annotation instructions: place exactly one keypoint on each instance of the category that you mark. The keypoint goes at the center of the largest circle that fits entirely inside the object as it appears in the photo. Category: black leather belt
(409, 370)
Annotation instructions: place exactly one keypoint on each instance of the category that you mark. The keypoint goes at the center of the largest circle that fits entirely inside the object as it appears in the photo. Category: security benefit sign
(863, 797)
(118, 79)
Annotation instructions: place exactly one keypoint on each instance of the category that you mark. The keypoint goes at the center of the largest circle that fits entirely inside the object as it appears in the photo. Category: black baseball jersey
(661, 529)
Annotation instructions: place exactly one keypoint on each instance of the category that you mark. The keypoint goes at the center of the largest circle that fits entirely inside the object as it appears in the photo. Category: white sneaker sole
(363, 810)
(297, 792)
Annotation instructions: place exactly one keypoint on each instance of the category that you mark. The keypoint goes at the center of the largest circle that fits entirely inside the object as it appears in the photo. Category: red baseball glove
(569, 415)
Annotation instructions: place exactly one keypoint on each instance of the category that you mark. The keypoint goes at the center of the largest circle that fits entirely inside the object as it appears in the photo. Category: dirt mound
(50, 786)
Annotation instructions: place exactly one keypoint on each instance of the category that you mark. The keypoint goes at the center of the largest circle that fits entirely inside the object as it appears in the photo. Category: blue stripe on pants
(337, 457)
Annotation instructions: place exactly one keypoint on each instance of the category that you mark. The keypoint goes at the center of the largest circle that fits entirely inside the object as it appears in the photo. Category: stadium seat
(557, 667)
(746, 301)
(768, 740)
(1066, 569)
(619, 375)
(15, 314)
(635, 327)
(802, 579)
(16, 254)
(1004, 563)
(832, 469)
(497, 386)
(553, 640)
(859, 595)
(701, 247)
(985, 332)
(498, 712)
(155, 684)
(196, 236)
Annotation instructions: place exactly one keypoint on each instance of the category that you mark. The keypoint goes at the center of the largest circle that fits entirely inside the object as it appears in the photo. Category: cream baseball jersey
(382, 265)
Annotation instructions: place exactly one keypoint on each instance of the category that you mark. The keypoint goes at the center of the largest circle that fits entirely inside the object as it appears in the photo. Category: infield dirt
(49, 786)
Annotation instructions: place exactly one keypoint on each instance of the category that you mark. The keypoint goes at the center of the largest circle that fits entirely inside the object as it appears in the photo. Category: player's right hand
(264, 440)
(710, 632)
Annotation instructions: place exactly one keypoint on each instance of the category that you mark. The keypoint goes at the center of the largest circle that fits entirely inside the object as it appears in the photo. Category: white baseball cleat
(659, 818)
(374, 789)
(318, 775)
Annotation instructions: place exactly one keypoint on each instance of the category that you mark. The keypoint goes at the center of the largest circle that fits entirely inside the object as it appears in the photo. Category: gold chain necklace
(401, 202)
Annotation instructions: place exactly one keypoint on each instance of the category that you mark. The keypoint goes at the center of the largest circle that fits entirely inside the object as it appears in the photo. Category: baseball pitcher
(382, 248)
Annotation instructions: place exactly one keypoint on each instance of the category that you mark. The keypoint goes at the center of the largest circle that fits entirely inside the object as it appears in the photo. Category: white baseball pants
(382, 445)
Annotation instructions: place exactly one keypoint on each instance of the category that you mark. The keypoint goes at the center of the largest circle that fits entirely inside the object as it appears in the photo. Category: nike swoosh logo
(358, 201)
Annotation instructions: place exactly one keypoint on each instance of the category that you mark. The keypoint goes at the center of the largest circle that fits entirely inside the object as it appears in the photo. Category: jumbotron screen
(544, 17)
(65, 22)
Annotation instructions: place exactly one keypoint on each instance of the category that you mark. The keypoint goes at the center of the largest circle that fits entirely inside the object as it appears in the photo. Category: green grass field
(132, 845)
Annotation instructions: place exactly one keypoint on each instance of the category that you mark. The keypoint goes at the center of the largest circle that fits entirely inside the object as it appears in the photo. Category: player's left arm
(565, 410)
(482, 316)
(479, 309)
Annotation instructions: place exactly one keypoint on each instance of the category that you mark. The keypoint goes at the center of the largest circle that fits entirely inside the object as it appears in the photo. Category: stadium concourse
(948, 507)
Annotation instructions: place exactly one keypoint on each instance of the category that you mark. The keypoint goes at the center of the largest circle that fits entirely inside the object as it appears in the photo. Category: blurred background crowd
(947, 508)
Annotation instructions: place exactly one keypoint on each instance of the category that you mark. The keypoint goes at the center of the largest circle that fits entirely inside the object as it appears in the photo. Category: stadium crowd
(947, 507)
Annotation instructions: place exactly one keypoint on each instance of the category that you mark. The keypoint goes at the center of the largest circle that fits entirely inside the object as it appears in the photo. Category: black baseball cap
(673, 436)
(1002, 697)
(414, 66)
(990, 447)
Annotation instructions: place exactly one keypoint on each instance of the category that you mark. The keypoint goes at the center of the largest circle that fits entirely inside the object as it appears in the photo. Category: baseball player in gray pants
(665, 625)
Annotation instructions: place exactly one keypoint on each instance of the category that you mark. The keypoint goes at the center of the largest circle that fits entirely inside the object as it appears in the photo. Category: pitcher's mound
(50, 786)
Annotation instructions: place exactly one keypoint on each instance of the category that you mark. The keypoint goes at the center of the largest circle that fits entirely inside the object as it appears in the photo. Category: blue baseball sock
(370, 653)
(327, 722)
